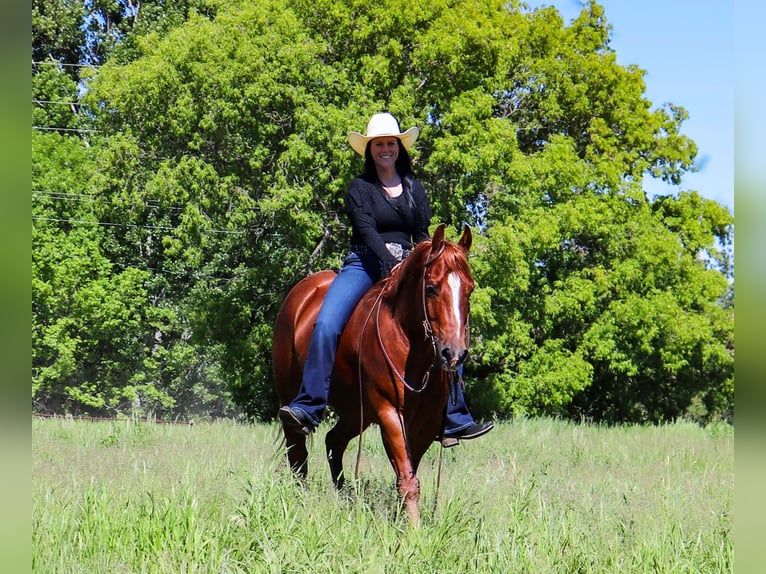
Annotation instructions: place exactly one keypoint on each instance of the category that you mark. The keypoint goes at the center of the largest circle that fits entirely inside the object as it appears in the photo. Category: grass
(535, 495)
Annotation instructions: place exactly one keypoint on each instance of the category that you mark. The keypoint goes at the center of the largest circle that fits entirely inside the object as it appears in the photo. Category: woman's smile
(385, 149)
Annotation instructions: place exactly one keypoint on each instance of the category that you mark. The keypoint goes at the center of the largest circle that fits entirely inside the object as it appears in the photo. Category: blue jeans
(458, 417)
(356, 276)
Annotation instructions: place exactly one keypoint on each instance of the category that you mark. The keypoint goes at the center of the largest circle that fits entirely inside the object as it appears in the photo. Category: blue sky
(687, 51)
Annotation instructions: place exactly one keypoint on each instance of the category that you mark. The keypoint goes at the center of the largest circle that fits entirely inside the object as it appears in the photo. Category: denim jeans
(458, 417)
(354, 279)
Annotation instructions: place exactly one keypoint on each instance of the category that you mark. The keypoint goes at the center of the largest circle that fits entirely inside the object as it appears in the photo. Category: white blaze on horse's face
(446, 288)
(452, 343)
(454, 282)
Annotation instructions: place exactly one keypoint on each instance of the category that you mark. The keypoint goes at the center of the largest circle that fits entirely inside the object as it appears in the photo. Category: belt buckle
(396, 250)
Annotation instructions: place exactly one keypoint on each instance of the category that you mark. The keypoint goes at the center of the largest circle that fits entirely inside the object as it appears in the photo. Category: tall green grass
(535, 495)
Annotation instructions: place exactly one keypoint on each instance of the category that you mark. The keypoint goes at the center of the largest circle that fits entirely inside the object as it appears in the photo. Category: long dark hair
(403, 167)
(403, 163)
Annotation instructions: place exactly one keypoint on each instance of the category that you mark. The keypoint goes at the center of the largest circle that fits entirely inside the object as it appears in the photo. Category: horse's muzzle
(451, 359)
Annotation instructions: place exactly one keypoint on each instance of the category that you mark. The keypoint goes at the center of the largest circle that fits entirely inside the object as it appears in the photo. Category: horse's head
(441, 284)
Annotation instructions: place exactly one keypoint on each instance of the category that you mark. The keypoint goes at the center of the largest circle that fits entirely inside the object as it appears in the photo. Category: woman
(389, 212)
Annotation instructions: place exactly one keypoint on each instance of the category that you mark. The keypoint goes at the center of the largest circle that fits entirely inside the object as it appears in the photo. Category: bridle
(429, 332)
(426, 320)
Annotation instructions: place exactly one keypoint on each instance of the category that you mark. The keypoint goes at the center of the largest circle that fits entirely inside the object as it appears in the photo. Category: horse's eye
(431, 291)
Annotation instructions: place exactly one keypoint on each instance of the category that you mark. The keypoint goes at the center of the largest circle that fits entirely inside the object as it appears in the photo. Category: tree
(103, 342)
(87, 339)
(222, 163)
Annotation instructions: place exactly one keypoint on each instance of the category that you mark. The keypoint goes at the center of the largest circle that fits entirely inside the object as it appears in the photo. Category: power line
(169, 272)
(66, 196)
(105, 223)
(61, 194)
(132, 225)
(133, 266)
(35, 100)
(63, 129)
(64, 64)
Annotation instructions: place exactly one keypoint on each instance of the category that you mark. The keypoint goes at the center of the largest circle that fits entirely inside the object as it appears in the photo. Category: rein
(426, 326)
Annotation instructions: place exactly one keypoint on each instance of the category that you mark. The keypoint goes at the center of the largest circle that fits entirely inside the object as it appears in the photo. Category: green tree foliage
(57, 30)
(85, 313)
(221, 160)
(103, 341)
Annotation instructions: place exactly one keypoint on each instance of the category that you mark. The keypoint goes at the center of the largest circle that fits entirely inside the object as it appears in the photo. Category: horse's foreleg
(409, 490)
(395, 441)
(336, 442)
(297, 455)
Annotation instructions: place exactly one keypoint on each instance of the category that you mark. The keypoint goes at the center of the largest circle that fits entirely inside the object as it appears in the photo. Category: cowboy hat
(382, 125)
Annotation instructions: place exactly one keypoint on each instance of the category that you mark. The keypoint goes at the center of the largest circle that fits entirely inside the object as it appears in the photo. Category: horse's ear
(467, 239)
(437, 239)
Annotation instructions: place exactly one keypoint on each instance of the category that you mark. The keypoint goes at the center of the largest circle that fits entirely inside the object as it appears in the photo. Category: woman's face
(384, 151)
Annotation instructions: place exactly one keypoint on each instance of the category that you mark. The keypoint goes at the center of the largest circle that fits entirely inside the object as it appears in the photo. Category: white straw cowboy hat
(382, 125)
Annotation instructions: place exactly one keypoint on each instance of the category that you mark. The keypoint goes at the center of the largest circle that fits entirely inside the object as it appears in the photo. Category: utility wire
(66, 196)
(132, 225)
(63, 129)
(63, 64)
(61, 194)
(142, 268)
(36, 101)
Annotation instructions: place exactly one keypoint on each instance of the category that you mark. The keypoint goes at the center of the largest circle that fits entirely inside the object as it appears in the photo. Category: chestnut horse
(395, 359)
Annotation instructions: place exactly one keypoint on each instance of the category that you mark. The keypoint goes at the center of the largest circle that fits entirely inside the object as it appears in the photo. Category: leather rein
(396, 372)
(429, 333)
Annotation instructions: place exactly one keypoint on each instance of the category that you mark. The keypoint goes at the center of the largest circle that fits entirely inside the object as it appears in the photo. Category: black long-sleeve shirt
(377, 219)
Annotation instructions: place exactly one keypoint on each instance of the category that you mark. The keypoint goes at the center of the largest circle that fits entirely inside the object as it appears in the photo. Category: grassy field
(533, 496)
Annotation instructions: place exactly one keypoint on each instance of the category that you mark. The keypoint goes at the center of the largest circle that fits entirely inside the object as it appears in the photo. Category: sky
(687, 50)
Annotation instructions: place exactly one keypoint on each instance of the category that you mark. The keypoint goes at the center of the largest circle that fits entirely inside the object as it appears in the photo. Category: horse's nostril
(446, 355)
